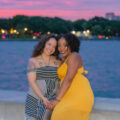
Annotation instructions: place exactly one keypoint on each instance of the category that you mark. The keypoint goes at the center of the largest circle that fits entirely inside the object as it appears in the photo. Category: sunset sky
(66, 9)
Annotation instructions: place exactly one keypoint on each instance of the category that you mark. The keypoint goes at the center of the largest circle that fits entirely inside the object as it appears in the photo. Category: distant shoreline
(80, 39)
(19, 39)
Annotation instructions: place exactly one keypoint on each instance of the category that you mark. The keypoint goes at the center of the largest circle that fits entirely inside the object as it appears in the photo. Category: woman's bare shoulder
(75, 57)
(32, 60)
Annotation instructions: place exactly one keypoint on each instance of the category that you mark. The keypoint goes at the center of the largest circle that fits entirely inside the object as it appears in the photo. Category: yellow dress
(78, 101)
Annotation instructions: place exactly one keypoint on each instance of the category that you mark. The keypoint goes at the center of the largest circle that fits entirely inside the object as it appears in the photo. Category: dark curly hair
(38, 49)
(72, 41)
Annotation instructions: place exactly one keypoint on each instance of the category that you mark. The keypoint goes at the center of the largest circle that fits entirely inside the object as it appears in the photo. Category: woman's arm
(74, 62)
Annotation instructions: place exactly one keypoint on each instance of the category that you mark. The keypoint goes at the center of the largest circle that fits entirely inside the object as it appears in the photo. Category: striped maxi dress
(48, 82)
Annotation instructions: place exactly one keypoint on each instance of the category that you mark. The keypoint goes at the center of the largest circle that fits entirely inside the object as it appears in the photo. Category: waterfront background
(101, 59)
(96, 23)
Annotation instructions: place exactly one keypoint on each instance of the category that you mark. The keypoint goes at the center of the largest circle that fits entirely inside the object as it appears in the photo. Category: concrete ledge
(12, 107)
(107, 104)
(104, 115)
(12, 111)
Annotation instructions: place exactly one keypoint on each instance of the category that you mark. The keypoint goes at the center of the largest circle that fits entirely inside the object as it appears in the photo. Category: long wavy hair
(38, 49)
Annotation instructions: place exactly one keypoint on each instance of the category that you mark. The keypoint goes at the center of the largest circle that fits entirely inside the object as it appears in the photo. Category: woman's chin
(49, 54)
(64, 56)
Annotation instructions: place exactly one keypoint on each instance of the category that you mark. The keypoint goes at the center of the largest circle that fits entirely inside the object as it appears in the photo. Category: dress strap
(85, 72)
(63, 62)
(67, 58)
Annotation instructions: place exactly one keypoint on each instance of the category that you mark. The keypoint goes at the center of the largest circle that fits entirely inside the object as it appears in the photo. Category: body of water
(101, 59)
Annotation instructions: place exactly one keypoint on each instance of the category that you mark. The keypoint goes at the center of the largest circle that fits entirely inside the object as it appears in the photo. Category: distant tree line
(97, 25)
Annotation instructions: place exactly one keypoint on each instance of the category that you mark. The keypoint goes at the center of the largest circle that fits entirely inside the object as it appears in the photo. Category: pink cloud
(70, 3)
(72, 15)
(32, 2)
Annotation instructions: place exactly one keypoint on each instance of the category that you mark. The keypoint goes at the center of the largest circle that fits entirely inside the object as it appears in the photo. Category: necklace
(46, 63)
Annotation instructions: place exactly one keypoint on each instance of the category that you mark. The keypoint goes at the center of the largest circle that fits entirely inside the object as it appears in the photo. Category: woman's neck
(64, 58)
(45, 56)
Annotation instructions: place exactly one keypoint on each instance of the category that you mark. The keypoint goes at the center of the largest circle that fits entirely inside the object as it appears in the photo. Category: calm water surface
(101, 59)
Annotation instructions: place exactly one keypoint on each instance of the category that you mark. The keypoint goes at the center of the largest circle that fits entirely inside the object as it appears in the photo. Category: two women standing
(75, 99)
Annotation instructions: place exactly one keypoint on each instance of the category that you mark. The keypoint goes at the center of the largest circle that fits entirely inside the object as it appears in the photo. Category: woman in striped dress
(43, 79)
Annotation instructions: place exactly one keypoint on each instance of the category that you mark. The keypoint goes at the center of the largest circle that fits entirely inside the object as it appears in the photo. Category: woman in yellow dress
(75, 98)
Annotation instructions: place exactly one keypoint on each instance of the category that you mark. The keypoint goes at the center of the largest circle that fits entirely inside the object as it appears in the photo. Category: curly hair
(38, 49)
(72, 41)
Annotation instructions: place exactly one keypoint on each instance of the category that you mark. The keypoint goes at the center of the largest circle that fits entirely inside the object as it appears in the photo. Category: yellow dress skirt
(78, 101)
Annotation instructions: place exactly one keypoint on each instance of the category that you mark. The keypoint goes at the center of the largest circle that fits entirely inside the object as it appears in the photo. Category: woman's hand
(47, 103)
(54, 103)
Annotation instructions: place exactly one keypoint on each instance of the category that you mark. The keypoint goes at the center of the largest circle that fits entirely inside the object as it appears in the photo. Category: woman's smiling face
(63, 48)
(50, 46)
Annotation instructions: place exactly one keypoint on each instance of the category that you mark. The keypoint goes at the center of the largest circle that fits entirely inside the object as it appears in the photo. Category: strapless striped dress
(48, 82)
